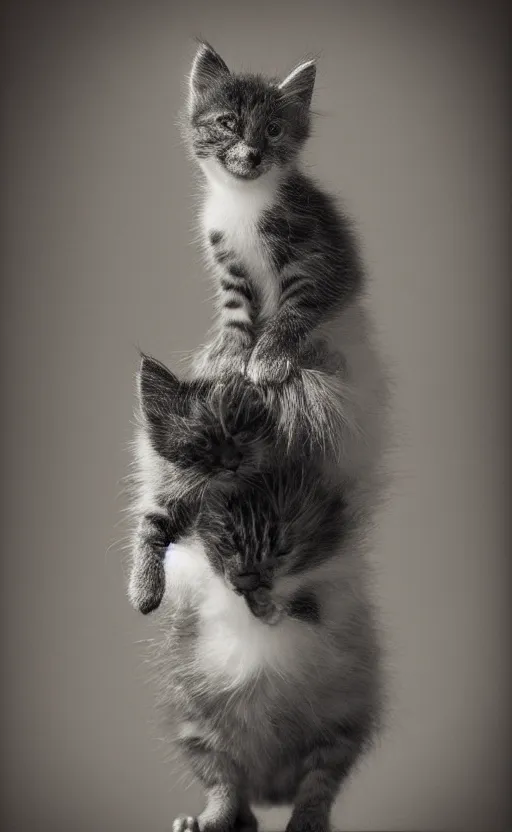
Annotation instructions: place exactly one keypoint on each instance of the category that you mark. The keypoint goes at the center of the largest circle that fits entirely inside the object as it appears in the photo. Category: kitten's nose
(254, 158)
(247, 581)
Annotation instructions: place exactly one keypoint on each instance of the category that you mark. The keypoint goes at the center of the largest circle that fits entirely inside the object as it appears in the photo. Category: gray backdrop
(99, 258)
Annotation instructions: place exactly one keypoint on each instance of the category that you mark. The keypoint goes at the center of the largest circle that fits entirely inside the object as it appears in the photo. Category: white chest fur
(235, 209)
(233, 645)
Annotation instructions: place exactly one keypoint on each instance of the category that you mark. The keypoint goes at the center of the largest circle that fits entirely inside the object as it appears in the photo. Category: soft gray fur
(284, 254)
(194, 438)
(282, 720)
(269, 665)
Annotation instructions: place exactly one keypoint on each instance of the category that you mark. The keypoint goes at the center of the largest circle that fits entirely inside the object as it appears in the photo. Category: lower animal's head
(285, 523)
(211, 433)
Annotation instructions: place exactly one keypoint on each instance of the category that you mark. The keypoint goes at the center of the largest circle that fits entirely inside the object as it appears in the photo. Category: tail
(314, 409)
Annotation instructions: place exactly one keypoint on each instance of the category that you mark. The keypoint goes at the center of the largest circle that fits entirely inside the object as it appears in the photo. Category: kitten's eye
(274, 130)
(226, 122)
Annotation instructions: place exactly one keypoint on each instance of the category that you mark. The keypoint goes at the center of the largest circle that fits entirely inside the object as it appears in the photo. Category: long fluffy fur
(284, 254)
(260, 477)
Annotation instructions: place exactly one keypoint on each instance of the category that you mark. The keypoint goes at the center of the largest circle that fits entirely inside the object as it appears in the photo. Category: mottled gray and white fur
(274, 685)
(289, 277)
(193, 438)
(269, 670)
(268, 663)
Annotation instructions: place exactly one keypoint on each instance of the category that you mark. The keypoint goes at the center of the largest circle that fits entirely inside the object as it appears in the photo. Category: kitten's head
(210, 433)
(287, 521)
(245, 125)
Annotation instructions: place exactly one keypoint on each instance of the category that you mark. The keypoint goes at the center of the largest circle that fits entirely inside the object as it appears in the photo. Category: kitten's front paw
(225, 360)
(269, 365)
(191, 824)
(147, 585)
(273, 614)
(230, 364)
(264, 607)
(185, 824)
(307, 825)
(308, 820)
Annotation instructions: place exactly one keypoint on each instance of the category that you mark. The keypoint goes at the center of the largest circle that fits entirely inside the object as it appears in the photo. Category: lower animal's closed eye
(283, 553)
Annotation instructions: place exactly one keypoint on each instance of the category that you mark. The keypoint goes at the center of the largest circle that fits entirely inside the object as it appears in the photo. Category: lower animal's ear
(160, 391)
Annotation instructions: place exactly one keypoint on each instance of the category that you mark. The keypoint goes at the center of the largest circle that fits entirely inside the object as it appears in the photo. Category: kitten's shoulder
(299, 189)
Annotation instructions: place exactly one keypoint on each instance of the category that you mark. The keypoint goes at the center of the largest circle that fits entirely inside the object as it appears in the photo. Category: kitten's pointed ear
(300, 82)
(160, 391)
(207, 68)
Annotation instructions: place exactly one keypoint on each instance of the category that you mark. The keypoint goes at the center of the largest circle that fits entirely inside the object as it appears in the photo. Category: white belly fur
(233, 645)
(235, 210)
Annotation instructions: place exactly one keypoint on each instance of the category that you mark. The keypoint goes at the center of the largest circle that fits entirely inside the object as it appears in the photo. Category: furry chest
(231, 646)
(236, 219)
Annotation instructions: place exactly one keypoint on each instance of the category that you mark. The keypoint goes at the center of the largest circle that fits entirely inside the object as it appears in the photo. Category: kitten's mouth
(247, 176)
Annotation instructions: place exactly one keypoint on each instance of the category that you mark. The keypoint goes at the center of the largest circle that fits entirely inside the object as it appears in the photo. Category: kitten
(285, 256)
(255, 536)
(193, 436)
(269, 659)
(269, 669)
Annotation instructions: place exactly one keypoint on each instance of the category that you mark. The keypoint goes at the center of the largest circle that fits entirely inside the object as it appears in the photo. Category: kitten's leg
(219, 814)
(238, 304)
(245, 820)
(212, 818)
(230, 351)
(325, 770)
(226, 809)
(226, 353)
(312, 810)
(303, 304)
(155, 532)
(276, 353)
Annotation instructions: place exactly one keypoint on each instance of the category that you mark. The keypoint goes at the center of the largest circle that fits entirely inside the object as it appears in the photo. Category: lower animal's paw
(185, 824)
(264, 607)
(302, 821)
(273, 614)
(147, 585)
(307, 826)
(268, 365)
(192, 824)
